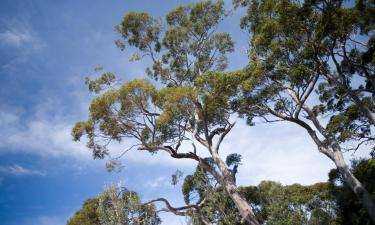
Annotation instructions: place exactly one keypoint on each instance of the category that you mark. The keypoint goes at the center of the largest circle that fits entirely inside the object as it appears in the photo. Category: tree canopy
(310, 63)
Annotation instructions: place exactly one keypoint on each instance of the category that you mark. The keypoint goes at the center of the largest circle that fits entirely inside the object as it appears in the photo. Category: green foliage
(218, 207)
(105, 80)
(176, 177)
(297, 47)
(218, 91)
(87, 215)
(188, 49)
(233, 159)
(293, 204)
(120, 206)
(140, 30)
(273, 202)
(188, 45)
(293, 45)
(177, 104)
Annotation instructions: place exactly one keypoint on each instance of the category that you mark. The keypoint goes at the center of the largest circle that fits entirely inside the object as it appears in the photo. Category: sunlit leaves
(105, 80)
(120, 206)
(140, 30)
(187, 47)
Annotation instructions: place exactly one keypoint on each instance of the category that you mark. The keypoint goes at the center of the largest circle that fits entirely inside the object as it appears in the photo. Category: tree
(188, 58)
(293, 204)
(317, 204)
(119, 206)
(87, 215)
(274, 203)
(299, 47)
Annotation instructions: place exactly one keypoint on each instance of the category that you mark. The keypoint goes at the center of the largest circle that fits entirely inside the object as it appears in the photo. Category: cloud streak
(18, 33)
(17, 170)
(15, 38)
(161, 181)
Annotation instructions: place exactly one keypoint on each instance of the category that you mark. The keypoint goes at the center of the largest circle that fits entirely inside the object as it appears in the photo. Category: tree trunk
(336, 156)
(362, 194)
(247, 213)
(248, 216)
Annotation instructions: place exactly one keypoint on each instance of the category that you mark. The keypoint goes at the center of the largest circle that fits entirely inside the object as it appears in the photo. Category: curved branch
(180, 211)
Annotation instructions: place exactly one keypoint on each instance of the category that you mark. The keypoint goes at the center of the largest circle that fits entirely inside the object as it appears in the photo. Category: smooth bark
(247, 213)
(362, 194)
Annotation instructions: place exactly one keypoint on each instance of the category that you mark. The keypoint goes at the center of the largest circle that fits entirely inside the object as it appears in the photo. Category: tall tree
(298, 47)
(274, 203)
(188, 57)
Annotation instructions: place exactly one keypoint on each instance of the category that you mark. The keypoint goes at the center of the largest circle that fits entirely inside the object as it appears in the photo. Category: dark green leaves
(233, 159)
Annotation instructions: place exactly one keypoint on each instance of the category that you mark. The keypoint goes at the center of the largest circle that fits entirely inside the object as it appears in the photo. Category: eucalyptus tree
(273, 203)
(119, 206)
(189, 112)
(303, 52)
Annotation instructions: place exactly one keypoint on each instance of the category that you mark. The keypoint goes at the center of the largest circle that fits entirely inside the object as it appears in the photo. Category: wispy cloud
(18, 33)
(161, 181)
(15, 38)
(51, 220)
(39, 135)
(46, 133)
(45, 220)
(280, 151)
(17, 170)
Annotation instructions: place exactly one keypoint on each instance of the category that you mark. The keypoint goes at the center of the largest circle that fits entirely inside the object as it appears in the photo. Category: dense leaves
(87, 215)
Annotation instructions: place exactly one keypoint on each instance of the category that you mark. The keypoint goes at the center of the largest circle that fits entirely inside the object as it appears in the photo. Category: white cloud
(38, 134)
(16, 38)
(280, 151)
(161, 181)
(17, 170)
(49, 135)
(49, 220)
(18, 33)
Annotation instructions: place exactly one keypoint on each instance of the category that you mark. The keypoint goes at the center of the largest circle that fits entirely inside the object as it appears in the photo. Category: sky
(47, 48)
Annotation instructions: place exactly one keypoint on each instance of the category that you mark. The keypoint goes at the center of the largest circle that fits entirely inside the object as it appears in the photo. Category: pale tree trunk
(362, 194)
(247, 213)
(337, 157)
(248, 216)
(226, 178)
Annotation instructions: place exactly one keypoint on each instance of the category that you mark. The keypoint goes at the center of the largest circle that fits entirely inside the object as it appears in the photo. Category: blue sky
(47, 48)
